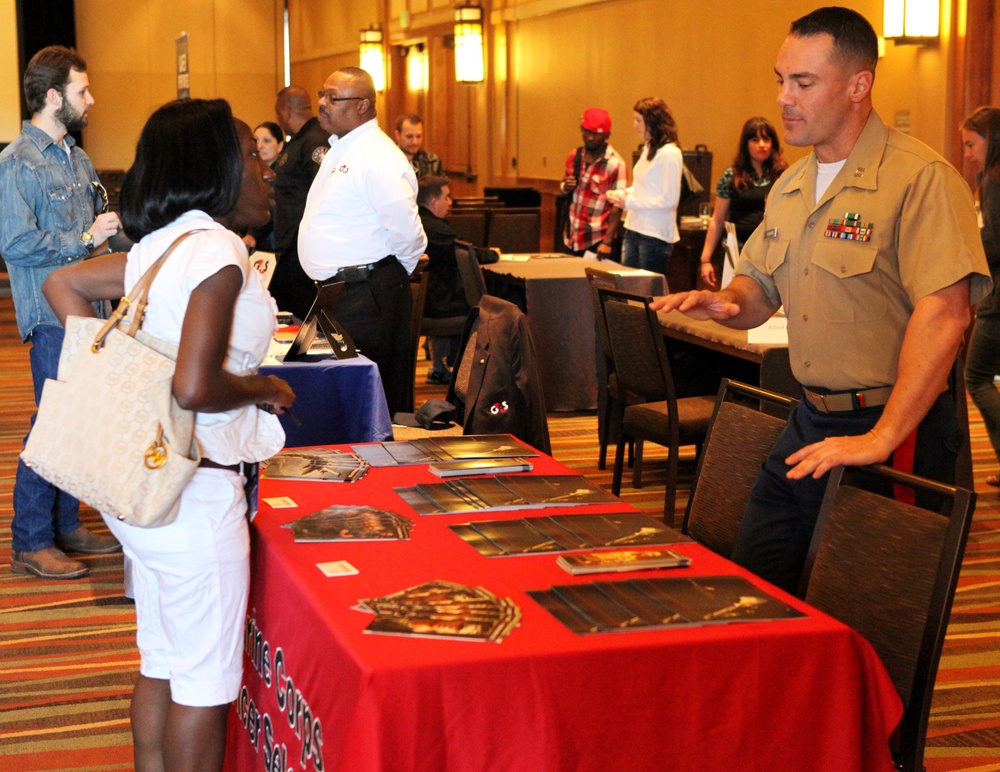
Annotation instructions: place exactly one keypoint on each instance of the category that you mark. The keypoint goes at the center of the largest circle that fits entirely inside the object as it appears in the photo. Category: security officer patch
(318, 154)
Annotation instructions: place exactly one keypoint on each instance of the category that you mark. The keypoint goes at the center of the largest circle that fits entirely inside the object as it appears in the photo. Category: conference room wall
(10, 85)
(711, 61)
(235, 52)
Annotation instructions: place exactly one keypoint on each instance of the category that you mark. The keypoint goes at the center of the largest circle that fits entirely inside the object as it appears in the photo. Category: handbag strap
(136, 312)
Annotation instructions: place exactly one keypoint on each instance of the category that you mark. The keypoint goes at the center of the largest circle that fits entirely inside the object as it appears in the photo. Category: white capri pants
(191, 579)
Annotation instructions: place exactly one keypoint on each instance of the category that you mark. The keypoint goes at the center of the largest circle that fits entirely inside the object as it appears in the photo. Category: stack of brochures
(645, 604)
(441, 609)
(447, 449)
(537, 535)
(503, 492)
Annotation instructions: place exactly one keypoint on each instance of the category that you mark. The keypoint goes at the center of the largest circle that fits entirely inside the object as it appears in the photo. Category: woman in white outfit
(196, 169)
(650, 203)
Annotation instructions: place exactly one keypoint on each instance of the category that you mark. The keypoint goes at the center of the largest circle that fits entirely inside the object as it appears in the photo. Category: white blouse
(651, 206)
(242, 434)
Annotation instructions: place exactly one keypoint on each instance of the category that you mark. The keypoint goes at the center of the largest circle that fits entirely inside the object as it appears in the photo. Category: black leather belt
(210, 464)
(356, 273)
(846, 401)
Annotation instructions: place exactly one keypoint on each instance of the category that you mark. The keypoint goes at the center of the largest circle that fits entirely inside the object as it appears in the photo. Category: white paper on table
(590, 255)
(774, 330)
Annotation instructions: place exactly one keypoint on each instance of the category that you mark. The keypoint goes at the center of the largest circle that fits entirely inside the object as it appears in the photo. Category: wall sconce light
(416, 68)
(372, 58)
(911, 21)
(469, 44)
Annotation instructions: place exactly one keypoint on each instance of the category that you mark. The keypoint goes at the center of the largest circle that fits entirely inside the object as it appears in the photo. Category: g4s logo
(498, 408)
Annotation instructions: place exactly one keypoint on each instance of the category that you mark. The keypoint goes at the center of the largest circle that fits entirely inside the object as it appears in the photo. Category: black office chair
(470, 272)
(745, 425)
(889, 569)
(418, 291)
(643, 372)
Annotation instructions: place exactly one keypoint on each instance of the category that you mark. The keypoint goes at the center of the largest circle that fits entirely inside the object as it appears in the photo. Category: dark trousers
(376, 314)
(780, 517)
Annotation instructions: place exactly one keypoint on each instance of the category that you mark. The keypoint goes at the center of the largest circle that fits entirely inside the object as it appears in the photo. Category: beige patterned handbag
(109, 430)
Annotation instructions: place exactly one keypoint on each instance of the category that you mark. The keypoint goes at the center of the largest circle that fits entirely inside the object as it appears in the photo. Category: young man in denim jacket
(49, 194)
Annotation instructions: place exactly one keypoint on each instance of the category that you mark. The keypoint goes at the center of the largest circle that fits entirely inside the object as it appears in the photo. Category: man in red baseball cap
(591, 225)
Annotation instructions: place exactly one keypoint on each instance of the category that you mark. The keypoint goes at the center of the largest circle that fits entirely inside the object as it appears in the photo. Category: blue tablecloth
(338, 401)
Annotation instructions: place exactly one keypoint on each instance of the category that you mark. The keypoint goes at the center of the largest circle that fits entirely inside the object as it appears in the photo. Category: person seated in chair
(445, 296)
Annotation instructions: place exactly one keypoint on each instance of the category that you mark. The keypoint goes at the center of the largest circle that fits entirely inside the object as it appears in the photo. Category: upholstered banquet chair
(643, 372)
(888, 568)
(745, 425)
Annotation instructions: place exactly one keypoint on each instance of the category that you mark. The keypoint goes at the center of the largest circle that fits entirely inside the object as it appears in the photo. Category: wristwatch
(87, 239)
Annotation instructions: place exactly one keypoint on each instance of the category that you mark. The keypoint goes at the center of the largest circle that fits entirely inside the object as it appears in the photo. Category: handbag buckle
(156, 454)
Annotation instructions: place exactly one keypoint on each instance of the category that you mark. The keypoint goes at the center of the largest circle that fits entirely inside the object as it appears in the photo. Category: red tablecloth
(802, 694)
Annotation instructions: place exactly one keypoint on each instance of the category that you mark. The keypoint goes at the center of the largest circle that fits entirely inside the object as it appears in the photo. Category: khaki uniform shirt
(848, 300)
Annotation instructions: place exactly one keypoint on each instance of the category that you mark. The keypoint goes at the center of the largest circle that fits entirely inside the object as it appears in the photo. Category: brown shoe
(48, 563)
(82, 540)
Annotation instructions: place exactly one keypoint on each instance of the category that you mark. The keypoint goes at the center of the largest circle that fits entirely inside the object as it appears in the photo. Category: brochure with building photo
(621, 560)
(441, 609)
(315, 464)
(638, 604)
(350, 523)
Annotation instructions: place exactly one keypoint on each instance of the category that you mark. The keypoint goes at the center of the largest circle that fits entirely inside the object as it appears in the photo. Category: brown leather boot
(47, 563)
(82, 540)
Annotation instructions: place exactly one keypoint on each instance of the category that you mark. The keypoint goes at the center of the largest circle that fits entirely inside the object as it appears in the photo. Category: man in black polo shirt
(294, 169)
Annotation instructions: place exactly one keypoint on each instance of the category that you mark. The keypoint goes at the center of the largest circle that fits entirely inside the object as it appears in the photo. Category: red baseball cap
(596, 120)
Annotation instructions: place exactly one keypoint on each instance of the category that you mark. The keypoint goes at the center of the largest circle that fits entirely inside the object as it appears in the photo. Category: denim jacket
(46, 203)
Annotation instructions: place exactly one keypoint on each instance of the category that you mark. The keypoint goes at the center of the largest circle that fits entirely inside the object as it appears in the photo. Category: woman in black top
(743, 189)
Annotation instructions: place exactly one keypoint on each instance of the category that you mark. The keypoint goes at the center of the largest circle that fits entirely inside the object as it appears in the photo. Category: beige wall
(234, 48)
(710, 60)
(10, 85)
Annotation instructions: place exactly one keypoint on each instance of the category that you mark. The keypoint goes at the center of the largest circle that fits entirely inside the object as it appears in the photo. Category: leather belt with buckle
(356, 273)
(846, 401)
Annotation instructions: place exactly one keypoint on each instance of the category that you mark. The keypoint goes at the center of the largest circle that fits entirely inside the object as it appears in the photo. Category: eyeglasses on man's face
(328, 96)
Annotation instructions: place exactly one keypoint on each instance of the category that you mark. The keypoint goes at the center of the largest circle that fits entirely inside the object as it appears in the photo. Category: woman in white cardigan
(650, 203)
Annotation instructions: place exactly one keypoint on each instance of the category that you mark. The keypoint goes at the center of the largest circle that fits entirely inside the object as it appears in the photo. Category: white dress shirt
(651, 206)
(362, 206)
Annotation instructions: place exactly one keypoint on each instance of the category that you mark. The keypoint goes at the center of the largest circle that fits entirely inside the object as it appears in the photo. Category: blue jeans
(647, 252)
(982, 363)
(41, 510)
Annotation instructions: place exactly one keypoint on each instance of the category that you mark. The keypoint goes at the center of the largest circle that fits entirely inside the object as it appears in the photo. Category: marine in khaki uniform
(871, 244)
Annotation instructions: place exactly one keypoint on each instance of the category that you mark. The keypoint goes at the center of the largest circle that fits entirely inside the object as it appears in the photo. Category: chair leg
(616, 478)
(670, 494)
(637, 469)
(602, 456)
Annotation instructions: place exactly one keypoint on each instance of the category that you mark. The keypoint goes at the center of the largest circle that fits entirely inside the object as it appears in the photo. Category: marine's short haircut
(854, 39)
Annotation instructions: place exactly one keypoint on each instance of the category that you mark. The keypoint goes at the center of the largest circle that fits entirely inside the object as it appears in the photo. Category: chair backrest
(470, 225)
(515, 231)
(637, 349)
(470, 273)
(597, 278)
(888, 569)
(745, 425)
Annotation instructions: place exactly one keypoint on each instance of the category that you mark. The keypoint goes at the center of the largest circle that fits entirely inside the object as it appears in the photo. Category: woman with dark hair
(650, 203)
(270, 141)
(981, 141)
(191, 577)
(743, 189)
